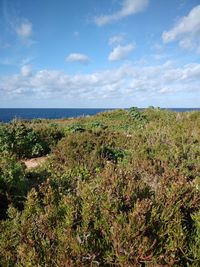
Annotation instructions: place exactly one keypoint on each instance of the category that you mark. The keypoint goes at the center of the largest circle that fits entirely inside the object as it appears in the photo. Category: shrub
(20, 140)
(26, 142)
(107, 198)
(49, 135)
(88, 149)
(137, 116)
(12, 183)
(76, 128)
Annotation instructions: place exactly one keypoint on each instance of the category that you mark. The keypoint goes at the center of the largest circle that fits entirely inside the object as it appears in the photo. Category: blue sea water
(7, 114)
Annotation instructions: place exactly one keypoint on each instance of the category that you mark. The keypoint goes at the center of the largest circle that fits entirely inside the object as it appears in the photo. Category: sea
(8, 114)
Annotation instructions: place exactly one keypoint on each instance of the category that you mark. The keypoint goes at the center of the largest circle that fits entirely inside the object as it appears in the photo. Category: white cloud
(186, 31)
(121, 52)
(76, 57)
(26, 70)
(116, 39)
(126, 81)
(128, 7)
(24, 30)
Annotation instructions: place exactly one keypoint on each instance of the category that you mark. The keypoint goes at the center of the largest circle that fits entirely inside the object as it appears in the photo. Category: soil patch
(34, 162)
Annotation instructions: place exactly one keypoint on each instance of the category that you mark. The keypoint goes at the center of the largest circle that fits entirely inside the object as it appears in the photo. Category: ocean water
(7, 114)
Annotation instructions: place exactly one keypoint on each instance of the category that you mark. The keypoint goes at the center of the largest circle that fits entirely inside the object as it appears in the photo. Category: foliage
(12, 183)
(89, 149)
(76, 128)
(137, 116)
(49, 135)
(22, 140)
(122, 195)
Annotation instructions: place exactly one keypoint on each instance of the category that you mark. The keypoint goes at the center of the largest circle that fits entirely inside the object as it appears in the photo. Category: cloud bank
(125, 81)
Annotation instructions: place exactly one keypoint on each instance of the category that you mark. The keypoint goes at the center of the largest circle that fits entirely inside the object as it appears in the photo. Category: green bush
(89, 149)
(20, 140)
(12, 183)
(25, 142)
(49, 135)
(137, 116)
(77, 127)
(124, 196)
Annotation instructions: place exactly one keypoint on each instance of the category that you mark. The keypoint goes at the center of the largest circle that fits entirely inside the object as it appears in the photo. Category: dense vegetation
(121, 188)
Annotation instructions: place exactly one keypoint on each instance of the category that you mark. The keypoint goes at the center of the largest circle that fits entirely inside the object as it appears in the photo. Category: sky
(99, 53)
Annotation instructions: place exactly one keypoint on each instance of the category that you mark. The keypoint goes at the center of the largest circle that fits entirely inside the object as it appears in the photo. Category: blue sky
(99, 53)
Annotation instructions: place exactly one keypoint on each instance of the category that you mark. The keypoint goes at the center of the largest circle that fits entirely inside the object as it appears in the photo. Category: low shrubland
(121, 188)
(22, 140)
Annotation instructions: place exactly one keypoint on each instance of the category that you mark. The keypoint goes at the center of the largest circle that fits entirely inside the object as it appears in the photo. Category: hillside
(121, 188)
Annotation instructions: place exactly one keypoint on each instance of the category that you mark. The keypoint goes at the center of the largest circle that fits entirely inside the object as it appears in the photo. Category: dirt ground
(35, 162)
